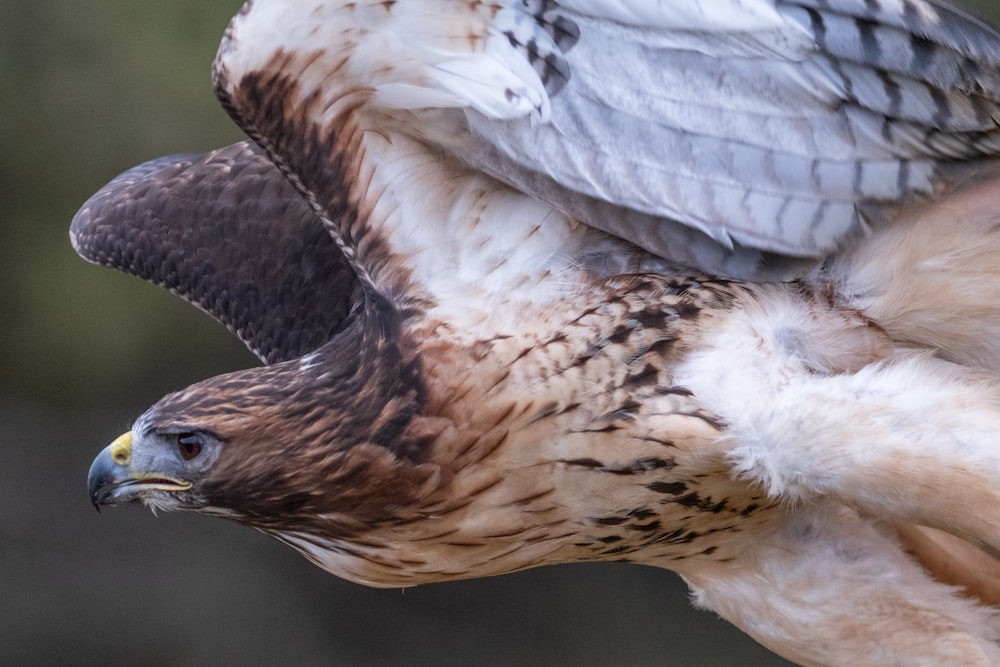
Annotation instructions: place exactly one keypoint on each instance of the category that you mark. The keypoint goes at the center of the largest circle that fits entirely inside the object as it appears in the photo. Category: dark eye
(189, 445)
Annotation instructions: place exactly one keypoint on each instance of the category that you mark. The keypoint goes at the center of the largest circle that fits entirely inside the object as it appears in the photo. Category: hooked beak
(111, 481)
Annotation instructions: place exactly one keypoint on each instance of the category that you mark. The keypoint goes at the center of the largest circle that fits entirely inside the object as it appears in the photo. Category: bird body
(494, 360)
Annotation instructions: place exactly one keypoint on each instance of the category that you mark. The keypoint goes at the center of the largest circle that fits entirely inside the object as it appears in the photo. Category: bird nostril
(121, 449)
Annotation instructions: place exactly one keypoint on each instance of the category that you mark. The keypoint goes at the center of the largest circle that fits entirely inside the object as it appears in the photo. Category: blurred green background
(89, 88)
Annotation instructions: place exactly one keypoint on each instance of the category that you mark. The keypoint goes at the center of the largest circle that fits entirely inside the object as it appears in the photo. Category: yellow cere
(121, 449)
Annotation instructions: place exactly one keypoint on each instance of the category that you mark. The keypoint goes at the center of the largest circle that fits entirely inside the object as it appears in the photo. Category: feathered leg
(911, 438)
(830, 589)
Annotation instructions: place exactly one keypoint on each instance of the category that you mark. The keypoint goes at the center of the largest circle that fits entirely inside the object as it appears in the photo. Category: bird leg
(831, 588)
(910, 438)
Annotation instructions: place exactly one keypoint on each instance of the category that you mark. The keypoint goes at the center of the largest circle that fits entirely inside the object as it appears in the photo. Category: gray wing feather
(227, 232)
(764, 143)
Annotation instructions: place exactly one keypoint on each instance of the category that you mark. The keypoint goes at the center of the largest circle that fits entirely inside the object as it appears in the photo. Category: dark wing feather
(227, 232)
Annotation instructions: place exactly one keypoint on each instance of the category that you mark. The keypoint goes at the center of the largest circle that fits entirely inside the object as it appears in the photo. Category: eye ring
(189, 445)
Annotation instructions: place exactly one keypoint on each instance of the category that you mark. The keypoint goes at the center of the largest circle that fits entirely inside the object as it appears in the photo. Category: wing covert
(745, 138)
(771, 130)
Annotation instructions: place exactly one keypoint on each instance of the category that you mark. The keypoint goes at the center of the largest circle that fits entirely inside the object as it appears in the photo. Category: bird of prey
(709, 286)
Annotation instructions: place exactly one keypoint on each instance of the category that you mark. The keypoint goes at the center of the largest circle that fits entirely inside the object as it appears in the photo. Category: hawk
(705, 286)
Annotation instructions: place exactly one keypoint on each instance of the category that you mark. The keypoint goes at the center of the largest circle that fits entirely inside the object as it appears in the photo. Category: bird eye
(189, 445)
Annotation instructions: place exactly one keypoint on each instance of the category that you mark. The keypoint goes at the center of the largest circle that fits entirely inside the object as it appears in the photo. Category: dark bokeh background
(87, 89)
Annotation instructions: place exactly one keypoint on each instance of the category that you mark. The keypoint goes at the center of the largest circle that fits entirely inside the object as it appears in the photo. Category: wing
(227, 232)
(724, 136)
(768, 130)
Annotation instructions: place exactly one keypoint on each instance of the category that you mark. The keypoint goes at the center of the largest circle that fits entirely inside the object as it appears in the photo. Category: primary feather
(227, 232)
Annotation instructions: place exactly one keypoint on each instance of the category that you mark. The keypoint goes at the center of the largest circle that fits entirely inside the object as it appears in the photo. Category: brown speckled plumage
(466, 380)
(416, 437)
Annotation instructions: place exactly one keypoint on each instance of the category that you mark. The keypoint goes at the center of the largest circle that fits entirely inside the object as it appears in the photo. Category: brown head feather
(303, 440)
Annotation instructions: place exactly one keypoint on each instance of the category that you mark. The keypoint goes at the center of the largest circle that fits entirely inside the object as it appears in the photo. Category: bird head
(322, 444)
(214, 446)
